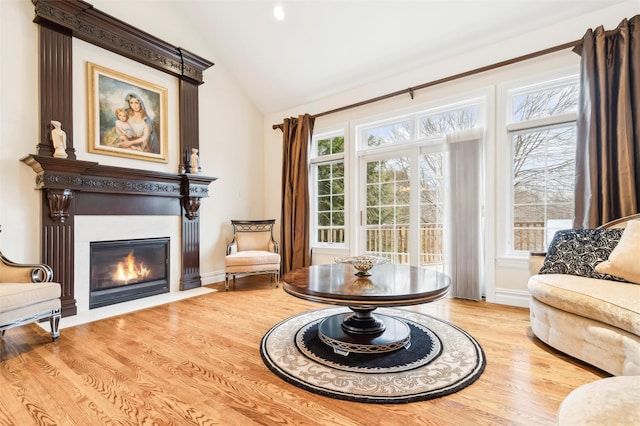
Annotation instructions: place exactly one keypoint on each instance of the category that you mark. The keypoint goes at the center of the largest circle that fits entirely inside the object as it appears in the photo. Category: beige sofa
(592, 319)
(27, 294)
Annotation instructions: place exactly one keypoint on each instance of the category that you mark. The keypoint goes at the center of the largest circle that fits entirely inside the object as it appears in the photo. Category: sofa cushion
(624, 260)
(578, 251)
(19, 295)
(611, 302)
(609, 401)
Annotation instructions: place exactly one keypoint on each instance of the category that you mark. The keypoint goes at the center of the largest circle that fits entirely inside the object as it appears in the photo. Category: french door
(402, 201)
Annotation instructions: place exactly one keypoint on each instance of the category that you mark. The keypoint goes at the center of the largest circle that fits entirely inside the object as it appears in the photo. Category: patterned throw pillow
(624, 260)
(578, 251)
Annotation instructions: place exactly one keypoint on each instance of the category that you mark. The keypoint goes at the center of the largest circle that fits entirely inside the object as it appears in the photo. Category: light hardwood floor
(197, 361)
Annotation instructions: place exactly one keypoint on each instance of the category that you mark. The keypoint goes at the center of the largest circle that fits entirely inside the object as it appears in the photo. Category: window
(328, 181)
(447, 122)
(542, 138)
(390, 133)
(388, 190)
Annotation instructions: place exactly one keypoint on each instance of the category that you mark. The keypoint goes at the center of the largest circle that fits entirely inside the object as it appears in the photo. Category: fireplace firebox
(126, 270)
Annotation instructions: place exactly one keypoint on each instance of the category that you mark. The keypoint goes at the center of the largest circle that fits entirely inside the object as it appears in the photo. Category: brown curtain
(608, 149)
(295, 248)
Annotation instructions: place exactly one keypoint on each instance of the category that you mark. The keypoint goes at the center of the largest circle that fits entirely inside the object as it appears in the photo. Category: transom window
(387, 134)
(442, 123)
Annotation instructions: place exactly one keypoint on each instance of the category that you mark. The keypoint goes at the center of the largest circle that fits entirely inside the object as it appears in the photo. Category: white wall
(230, 128)
(506, 278)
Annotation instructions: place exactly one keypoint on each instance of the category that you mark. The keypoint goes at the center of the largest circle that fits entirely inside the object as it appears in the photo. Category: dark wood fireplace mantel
(73, 187)
(89, 176)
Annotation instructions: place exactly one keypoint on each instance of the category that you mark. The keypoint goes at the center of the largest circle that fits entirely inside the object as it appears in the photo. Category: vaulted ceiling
(324, 47)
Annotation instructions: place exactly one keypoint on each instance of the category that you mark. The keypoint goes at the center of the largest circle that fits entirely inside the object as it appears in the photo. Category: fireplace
(126, 270)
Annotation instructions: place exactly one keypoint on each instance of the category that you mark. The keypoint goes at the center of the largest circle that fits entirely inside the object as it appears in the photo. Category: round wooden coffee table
(362, 330)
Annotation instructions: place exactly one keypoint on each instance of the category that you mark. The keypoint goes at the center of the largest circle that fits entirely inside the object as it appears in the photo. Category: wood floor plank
(197, 362)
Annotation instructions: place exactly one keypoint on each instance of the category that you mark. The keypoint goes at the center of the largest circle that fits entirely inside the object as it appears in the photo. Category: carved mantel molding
(63, 177)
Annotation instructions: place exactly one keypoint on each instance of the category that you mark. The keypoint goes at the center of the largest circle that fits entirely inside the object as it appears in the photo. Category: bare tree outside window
(388, 134)
(543, 166)
(449, 121)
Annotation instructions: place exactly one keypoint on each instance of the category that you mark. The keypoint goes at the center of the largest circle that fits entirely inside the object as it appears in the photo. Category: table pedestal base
(363, 332)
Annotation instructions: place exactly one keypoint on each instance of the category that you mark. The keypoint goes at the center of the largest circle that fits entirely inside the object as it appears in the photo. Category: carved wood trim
(59, 203)
(90, 177)
(84, 22)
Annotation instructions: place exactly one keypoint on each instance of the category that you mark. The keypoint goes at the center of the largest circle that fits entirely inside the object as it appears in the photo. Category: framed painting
(127, 117)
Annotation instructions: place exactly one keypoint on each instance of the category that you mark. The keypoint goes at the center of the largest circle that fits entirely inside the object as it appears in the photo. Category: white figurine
(59, 140)
(194, 160)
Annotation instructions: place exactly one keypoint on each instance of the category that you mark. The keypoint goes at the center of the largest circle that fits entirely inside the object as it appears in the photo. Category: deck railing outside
(393, 241)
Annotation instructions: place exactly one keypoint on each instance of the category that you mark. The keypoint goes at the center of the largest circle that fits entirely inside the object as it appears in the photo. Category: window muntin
(328, 172)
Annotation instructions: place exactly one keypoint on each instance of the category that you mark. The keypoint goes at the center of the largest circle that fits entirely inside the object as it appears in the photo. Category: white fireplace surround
(90, 229)
(106, 228)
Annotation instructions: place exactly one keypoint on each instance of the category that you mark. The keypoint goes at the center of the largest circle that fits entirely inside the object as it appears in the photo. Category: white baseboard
(212, 277)
(509, 297)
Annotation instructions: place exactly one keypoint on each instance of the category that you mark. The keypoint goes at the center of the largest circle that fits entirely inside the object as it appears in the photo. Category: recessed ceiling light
(278, 12)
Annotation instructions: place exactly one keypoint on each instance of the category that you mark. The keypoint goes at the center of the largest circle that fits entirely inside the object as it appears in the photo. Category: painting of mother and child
(131, 117)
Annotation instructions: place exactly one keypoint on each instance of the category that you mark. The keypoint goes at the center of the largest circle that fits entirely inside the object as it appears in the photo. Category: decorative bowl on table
(363, 264)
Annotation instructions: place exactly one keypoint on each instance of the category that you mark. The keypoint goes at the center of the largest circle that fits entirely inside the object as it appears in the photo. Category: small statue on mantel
(195, 161)
(59, 140)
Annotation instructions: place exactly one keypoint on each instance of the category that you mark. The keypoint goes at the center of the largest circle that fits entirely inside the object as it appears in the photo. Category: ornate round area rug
(441, 360)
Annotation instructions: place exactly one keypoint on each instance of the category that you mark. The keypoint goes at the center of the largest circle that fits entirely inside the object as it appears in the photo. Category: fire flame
(127, 270)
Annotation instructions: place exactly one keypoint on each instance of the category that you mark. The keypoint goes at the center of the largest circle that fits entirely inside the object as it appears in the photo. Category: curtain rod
(411, 90)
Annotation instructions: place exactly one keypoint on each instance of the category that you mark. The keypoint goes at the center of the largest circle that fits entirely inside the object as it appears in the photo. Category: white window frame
(504, 195)
(314, 161)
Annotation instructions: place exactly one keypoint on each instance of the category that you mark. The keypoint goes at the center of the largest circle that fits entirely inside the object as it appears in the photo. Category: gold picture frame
(127, 116)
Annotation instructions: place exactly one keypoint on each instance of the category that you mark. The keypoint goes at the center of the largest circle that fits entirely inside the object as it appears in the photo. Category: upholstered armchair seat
(251, 260)
(27, 294)
(252, 250)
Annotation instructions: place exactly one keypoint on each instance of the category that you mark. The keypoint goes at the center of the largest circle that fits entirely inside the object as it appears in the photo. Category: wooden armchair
(27, 294)
(252, 250)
